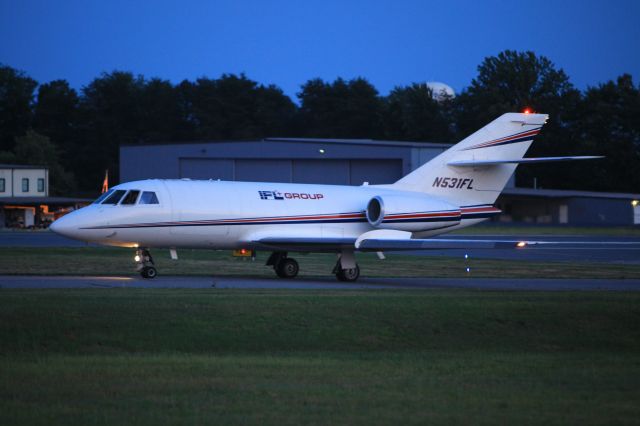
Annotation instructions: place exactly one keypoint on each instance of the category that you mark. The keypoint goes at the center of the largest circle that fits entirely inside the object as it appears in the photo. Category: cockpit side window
(115, 197)
(148, 197)
(131, 197)
(103, 196)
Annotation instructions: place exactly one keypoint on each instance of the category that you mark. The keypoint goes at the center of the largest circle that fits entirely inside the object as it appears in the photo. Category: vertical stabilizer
(506, 138)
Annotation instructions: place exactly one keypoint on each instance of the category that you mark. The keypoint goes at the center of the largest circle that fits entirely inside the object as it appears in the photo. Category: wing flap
(303, 244)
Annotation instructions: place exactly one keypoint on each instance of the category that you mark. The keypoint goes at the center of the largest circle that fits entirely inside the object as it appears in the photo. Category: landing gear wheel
(148, 272)
(348, 275)
(287, 268)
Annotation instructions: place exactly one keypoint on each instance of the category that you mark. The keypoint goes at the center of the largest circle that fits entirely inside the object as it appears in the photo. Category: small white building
(25, 200)
(23, 181)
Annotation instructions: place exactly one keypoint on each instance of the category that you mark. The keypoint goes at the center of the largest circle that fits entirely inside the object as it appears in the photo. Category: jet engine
(411, 213)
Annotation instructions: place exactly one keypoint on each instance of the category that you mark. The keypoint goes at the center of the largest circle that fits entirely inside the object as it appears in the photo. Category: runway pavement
(575, 253)
(329, 283)
(44, 238)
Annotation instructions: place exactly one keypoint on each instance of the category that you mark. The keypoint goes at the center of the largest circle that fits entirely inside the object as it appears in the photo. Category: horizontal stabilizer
(478, 163)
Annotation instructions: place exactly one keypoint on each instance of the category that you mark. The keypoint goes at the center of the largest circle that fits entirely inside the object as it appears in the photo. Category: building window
(2, 185)
(25, 184)
(40, 185)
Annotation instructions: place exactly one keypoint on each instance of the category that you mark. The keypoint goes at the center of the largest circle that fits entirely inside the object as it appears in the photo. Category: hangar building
(353, 162)
(326, 161)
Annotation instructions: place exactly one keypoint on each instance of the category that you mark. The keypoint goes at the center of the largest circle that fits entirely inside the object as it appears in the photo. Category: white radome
(440, 90)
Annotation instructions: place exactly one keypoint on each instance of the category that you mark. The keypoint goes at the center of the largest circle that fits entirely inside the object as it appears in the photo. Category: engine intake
(375, 211)
(409, 212)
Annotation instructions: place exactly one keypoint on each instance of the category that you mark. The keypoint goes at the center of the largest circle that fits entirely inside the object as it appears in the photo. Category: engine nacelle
(413, 213)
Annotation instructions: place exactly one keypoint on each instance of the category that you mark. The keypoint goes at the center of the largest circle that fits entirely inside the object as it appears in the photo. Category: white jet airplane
(454, 190)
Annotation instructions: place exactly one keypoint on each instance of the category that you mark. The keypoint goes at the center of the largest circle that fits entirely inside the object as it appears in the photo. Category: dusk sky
(289, 42)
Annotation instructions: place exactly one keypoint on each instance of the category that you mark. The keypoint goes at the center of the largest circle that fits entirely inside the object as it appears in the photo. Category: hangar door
(375, 172)
(347, 172)
(206, 168)
(320, 171)
(263, 170)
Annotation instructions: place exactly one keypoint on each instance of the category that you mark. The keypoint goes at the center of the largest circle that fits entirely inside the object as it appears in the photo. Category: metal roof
(21, 166)
(567, 193)
(34, 201)
(362, 142)
(369, 142)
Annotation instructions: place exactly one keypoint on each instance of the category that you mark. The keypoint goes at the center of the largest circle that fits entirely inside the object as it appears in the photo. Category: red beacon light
(527, 111)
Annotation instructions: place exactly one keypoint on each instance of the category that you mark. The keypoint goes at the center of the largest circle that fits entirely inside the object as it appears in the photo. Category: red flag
(105, 183)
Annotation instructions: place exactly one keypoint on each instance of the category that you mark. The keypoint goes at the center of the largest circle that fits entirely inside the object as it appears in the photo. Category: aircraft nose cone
(64, 226)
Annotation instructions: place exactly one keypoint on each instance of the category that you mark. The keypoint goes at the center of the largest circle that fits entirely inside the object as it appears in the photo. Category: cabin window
(40, 185)
(131, 197)
(2, 183)
(115, 197)
(103, 196)
(25, 184)
(148, 197)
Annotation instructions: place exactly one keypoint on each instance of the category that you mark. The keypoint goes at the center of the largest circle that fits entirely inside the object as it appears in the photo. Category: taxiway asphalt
(217, 283)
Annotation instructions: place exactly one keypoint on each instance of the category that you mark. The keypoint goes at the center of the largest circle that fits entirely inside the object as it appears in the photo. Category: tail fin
(506, 138)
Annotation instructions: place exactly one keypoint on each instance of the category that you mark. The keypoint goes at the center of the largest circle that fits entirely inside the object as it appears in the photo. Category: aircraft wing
(452, 244)
(338, 244)
(433, 244)
(333, 244)
(404, 244)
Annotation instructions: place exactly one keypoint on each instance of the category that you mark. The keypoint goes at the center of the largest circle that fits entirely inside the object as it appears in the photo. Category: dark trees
(110, 115)
(609, 124)
(342, 109)
(82, 131)
(411, 113)
(16, 98)
(235, 107)
(513, 81)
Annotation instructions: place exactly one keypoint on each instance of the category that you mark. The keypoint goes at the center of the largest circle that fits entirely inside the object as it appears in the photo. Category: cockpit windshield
(115, 197)
(131, 197)
(103, 196)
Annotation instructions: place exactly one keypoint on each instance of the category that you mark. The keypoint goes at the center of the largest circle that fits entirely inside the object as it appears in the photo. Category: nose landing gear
(144, 264)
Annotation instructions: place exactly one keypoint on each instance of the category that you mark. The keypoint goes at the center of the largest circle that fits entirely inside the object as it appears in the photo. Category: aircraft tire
(148, 272)
(287, 268)
(348, 275)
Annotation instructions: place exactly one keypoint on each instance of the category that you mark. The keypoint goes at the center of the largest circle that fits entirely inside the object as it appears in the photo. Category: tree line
(78, 133)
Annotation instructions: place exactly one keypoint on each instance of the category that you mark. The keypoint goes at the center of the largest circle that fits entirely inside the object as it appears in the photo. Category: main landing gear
(144, 264)
(346, 275)
(346, 268)
(285, 267)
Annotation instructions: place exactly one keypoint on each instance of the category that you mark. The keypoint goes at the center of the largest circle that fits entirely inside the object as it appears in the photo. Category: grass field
(289, 357)
(114, 261)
